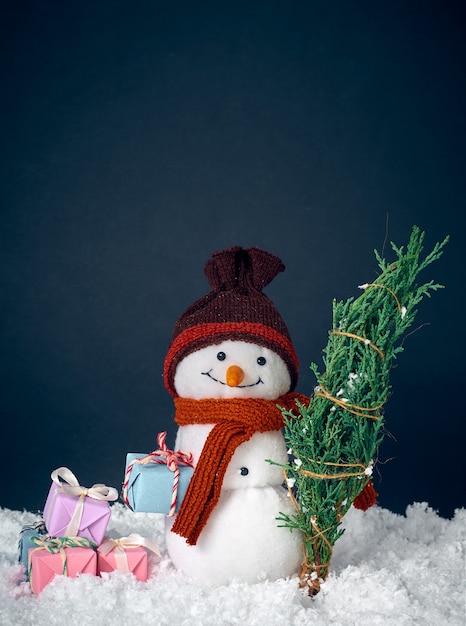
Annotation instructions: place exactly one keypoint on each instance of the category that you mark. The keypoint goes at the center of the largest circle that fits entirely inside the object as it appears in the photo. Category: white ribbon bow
(118, 547)
(69, 485)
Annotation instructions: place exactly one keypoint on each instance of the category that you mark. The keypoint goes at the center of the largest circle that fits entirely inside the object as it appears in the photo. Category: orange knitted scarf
(236, 420)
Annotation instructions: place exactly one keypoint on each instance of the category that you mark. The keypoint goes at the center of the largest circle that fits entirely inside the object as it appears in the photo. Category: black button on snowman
(230, 363)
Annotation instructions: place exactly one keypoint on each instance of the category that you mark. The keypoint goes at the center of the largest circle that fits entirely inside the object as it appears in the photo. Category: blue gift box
(150, 485)
(28, 531)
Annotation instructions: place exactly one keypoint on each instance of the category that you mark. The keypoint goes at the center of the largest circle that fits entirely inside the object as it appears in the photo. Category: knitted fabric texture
(234, 309)
(367, 498)
(236, 420)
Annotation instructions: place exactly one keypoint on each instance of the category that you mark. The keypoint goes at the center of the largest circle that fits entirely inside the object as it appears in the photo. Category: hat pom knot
(242, 269)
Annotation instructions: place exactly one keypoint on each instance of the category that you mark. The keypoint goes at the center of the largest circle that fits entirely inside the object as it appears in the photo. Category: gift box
(125, 554)
(27, 534)
(157, 482)
(72, 510)
(60, 556)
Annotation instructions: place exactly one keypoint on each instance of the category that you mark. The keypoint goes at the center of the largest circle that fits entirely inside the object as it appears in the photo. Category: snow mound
(386, 569)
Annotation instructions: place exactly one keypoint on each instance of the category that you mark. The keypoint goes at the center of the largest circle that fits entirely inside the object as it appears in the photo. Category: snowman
(230, 366)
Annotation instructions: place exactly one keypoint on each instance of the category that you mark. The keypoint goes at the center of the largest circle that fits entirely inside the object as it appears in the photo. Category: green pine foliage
(334, 440)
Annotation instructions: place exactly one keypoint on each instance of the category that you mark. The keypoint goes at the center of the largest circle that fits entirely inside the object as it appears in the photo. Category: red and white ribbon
(171, 458)
(69, 485)
(118, 547)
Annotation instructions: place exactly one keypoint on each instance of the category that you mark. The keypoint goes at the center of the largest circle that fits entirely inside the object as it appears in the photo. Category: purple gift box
(75, 511)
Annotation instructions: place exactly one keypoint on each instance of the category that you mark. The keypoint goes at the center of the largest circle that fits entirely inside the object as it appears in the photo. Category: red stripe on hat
(226, 330)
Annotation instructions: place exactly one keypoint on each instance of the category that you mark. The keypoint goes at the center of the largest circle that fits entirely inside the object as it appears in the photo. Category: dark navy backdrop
(138, 137)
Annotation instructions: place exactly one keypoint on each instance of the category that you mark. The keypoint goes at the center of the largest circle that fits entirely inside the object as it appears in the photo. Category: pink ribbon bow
(171, 458)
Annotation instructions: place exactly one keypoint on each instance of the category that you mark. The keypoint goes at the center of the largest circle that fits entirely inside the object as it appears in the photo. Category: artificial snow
(387, 569)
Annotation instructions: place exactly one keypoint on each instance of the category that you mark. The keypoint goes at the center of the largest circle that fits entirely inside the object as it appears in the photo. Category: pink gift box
(62, 506)
(126, 554)
(132, 560)
(71, 562)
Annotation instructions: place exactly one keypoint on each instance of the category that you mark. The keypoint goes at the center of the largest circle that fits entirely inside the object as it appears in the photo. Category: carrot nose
(234, 375)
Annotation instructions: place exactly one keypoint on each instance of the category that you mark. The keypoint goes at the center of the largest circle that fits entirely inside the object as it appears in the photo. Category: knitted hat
(235, 309)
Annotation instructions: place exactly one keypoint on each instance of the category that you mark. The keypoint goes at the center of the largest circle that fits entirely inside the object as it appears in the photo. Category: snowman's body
(242, 538)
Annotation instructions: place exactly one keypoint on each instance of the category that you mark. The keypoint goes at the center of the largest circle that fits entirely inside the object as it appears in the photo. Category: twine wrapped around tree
(334, 440)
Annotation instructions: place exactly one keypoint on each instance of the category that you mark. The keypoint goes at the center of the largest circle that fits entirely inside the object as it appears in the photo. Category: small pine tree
(334, 440)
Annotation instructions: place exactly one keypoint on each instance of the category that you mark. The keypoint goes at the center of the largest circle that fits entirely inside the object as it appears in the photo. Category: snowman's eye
(261, 360)
(221, 356)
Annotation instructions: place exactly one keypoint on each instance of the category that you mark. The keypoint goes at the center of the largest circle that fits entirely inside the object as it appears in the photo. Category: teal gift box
(157, 482)
(27, 533)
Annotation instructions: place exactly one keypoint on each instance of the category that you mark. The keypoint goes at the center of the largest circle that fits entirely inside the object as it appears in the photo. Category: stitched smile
(259, 381)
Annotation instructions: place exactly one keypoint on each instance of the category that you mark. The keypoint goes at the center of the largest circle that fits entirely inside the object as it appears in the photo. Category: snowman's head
(232, 369)
(237, 321)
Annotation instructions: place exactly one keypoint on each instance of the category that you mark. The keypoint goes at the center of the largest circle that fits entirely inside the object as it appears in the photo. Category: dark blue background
(138, 137)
